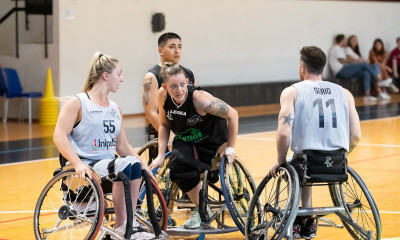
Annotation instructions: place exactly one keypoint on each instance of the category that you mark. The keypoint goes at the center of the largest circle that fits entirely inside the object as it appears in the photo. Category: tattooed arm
(149, 99)
(206, 103)
(285, 124)
(163, 131)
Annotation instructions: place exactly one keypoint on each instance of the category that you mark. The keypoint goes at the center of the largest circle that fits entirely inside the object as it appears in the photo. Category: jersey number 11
(331, 103)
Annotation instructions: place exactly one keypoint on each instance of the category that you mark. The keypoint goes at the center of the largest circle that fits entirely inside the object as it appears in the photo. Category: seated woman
(353, 54)
(378, 55)
(201, 123)
(89, 131)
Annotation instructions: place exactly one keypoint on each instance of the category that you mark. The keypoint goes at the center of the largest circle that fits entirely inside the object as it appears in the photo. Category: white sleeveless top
(95, 136)
(321, 117)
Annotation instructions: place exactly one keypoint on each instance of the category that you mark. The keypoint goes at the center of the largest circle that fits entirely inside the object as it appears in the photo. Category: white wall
(32, 65)
(225, 41)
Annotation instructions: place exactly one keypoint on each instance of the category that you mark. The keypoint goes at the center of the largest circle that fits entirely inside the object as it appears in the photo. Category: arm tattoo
(146, 90)
(288, 119)
(218, 108)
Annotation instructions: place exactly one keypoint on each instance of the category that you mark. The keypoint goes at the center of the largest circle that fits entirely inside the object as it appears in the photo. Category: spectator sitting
(378, 55)
(345, 69)
(394, 60)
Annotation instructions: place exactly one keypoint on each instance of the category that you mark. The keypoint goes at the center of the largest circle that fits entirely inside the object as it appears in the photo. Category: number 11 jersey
(321, 117)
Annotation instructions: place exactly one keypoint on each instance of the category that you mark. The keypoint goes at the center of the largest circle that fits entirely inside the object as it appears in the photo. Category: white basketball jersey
(321, 117)
(95, 136)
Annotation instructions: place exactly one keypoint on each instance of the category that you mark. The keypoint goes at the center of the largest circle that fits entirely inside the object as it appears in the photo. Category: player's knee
(136, 169)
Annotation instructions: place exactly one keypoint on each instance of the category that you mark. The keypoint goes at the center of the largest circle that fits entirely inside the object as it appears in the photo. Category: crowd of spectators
(376, 72)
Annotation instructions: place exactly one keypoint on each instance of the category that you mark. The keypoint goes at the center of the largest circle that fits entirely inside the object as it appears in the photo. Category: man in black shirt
(170, 50)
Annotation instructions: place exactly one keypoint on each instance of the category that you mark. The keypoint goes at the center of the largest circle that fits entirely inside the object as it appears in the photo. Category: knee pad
(133, 171)
(136, 169)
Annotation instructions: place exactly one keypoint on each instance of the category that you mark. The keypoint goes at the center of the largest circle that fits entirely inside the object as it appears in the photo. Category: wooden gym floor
(28, 159)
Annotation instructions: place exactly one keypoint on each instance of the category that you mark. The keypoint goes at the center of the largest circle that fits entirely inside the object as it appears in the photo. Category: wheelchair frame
(101, 217)
(282, 218)
(234, 198)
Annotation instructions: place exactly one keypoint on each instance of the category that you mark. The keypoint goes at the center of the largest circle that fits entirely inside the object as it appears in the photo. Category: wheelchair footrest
(181, 231)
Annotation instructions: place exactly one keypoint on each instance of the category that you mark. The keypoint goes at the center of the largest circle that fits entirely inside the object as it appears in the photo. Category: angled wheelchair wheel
(238, 188)
(160, 206)
(361, 205)
(149, 151)
(274, 206)
(69, 208)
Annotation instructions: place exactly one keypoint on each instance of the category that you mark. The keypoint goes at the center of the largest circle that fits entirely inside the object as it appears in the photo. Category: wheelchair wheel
(365, 211)
(160, 206)
(274, 205)
(149, 151)
(69, 208)
(238, 188)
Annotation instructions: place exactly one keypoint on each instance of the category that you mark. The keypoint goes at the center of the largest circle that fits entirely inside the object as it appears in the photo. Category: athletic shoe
(309, 230)
(195, 221)
(296, 231)
(384, 96)
(385, 83)
(370, 99)
(138, 231)
(393, 88)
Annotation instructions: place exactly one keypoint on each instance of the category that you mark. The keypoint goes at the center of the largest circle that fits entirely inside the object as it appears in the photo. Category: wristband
(229, 150)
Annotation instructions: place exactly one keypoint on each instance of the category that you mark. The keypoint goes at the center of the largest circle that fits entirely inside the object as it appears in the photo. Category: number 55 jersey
(321, 117)
(95, 136)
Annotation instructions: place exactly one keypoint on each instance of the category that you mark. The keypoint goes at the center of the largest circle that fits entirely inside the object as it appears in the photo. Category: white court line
(379, 145)
(30, 161)
(371, 120)
(257, 138)
(241, 136)
(14, 212)
(361, 144)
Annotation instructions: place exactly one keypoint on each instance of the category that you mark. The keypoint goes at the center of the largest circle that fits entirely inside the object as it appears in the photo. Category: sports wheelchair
(275, 204)
(74, 208)
(225, 188)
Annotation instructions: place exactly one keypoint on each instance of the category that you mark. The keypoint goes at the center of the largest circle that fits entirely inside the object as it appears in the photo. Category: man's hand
(274, 168)
(81, 169)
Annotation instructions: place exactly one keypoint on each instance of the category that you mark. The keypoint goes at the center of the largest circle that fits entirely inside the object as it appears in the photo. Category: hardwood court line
(377, 119)
(369, 120)
(360, 144)
(257, 138)
(23, 218)
(30, 161)
(26, 149)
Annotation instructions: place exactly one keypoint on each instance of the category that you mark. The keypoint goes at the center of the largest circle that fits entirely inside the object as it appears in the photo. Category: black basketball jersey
(189, 126)
(157, 68)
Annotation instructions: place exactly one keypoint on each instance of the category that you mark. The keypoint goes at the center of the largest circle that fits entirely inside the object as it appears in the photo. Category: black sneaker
(309, 230)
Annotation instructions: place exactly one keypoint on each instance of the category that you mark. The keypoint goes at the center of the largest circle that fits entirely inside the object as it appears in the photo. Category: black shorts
(184, 168)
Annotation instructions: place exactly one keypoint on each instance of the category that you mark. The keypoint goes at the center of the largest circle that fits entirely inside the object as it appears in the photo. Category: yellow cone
(49, 92)
(49, 104)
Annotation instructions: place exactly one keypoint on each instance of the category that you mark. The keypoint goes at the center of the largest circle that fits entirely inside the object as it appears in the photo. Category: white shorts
(120, 164)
